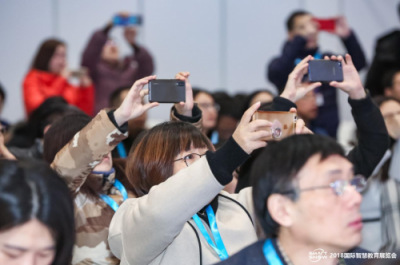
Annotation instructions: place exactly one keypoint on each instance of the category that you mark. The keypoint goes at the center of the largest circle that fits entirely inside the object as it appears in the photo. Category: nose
(353, 197)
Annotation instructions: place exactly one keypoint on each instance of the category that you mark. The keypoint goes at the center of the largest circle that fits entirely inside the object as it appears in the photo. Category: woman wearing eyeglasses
(381, 203)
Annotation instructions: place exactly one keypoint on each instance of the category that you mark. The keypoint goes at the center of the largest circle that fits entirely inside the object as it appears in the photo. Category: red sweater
(40, 85)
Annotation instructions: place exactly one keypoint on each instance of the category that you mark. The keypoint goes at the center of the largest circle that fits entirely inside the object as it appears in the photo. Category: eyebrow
(338, 171)
(25, 249)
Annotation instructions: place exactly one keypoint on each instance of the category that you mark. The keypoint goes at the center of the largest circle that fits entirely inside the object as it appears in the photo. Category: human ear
(279, 207)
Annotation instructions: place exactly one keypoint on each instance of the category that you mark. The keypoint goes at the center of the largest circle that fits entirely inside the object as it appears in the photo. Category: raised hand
(247, 134)
(132, 106)
(300, 125)
(185, 108)
(295, 89)
(351, 84)
(342, 28)
(130, 35)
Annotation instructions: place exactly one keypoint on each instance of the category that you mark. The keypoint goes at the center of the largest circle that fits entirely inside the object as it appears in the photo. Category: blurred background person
(209, 110)
(307, 109)
(108, 71)
(49, 76)
(386, 58)
(392, 84)
(302, 40)
(262, 95)
(3, 122)
(381, 200)
(135, 126)
(37, 220)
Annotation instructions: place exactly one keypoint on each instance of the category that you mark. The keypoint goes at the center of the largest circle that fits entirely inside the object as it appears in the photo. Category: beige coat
(158, 229)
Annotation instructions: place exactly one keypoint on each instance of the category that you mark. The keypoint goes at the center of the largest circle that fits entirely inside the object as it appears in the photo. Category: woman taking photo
(86, 165)
(49, 77)
(37, 218)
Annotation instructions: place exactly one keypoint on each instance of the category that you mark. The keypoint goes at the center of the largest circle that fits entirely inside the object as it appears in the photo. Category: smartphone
(283, 123)
(79, 72)
(167, 91)
(326, 24)
(133, 20)
(325, 71)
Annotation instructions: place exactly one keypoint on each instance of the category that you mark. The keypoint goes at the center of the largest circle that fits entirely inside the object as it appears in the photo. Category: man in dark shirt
(303, 41)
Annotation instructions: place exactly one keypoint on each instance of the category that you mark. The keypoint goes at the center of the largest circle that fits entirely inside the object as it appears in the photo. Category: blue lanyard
(107, 199)
(121, 150)
(214, 137)
(220, 248)
(270, 253)
(317, 56)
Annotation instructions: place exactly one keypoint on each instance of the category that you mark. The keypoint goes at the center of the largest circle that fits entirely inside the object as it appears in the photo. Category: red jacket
(40, 85)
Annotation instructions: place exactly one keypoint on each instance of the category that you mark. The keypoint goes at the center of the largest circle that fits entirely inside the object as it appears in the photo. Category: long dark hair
(46, 51)
(32, 190)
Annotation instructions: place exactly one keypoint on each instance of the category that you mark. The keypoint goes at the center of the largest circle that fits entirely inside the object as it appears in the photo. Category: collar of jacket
(104, 180)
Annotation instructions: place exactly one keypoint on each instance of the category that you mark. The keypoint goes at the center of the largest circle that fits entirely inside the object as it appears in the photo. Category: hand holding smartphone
(325, 71)
(283, 123)
(167, 91)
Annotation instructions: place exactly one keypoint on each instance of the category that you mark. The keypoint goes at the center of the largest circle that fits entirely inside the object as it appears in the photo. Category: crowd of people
(86, 179)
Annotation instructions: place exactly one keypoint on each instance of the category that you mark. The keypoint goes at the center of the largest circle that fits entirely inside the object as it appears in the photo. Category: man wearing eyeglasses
(307, 199)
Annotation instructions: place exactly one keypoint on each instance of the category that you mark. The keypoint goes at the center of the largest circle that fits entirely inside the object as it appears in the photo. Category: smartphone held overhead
(283, 123)
(325, 71)
(131, 20)
(327, 24)
(167, 91)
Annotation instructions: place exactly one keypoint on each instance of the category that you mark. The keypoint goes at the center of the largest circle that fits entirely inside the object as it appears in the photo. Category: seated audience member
(181, 207)
(50, 111)
(307, 109)
(228, 116)
(79, 149)
(209, 110)
(136, 126)
(306, 197)
(3, 123)
(373, 136)
(108, 71)
(392, 84)
(381, 199)
(303, 41)
(37, 215)
(386, 58)
(49, 77)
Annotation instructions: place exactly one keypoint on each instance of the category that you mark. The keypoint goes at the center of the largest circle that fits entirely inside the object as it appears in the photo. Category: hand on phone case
(351, 84)
(295, 89)
(185, 108)
(132, 106)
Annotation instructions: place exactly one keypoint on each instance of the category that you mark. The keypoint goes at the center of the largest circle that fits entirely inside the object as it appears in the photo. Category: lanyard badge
(107, 199)
(219, 247)
(270, 253)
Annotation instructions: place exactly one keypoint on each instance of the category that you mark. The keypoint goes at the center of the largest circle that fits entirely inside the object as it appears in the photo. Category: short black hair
(292, 17)
(32, 190)
(113, 100)
(387, 79)
(250, 97)
(275, 170)
(198, 90)
(2, 93)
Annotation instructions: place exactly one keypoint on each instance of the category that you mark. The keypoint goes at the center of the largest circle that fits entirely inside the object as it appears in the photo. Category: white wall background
(223, 43)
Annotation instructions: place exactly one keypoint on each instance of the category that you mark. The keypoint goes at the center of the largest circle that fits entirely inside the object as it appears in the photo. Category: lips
(356, 224)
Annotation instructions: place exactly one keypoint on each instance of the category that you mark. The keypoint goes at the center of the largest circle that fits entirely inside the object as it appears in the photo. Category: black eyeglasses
(190, 158)
(339, 186)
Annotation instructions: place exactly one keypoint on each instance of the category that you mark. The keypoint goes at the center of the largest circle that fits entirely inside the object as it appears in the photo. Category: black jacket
(387, 58)
(280, 68)
(253, 255)
(373, 137)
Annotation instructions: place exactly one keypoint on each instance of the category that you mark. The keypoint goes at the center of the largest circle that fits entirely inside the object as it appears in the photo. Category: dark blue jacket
(254, 255)
(280, 68)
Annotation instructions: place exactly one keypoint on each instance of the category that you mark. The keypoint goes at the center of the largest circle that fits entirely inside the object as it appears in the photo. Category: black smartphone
(325, 71)
(167, 91)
